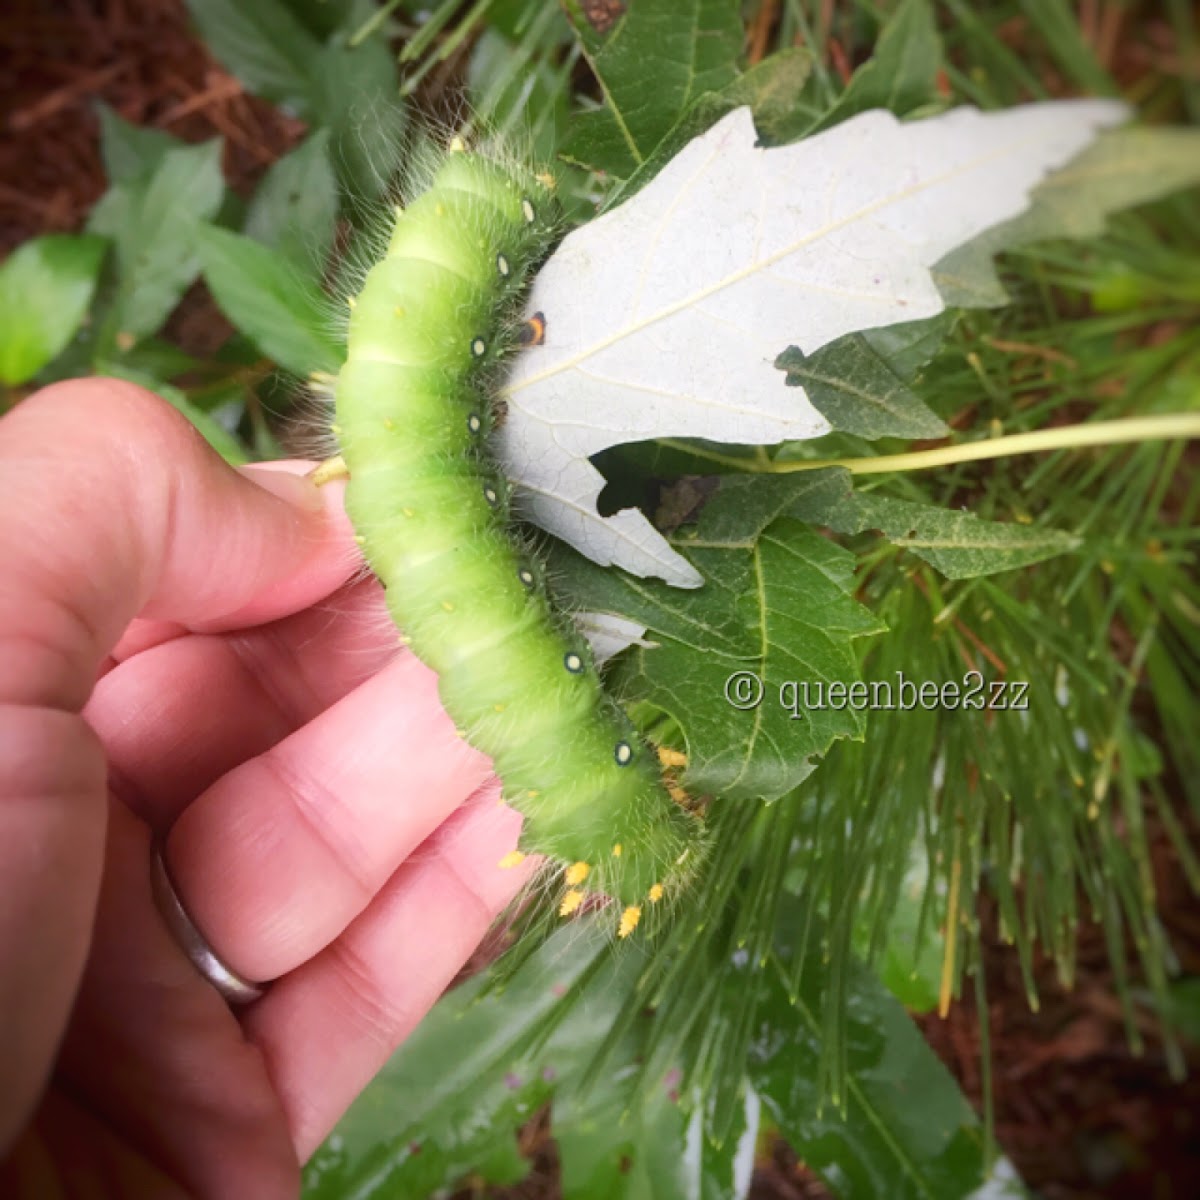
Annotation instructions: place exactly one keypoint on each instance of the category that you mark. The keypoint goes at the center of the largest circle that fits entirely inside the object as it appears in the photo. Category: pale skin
(182, 654)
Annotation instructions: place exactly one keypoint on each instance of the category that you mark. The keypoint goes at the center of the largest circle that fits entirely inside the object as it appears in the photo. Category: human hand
(180, 650)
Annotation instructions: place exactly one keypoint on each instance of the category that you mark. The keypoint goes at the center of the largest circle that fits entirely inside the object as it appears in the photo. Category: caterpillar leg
(329, 470)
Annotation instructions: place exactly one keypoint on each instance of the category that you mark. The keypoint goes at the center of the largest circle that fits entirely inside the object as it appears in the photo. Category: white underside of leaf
(665, 316)
(609, 634)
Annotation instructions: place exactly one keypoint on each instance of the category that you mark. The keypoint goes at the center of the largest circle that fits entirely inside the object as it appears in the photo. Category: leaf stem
(1067, 437)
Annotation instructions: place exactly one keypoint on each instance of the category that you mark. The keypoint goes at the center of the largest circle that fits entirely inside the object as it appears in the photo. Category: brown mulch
(1077, 1110)
(58, 57)
(1079, 1114)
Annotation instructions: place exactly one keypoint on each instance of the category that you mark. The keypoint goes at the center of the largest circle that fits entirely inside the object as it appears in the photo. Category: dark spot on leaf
(680, 504)
(602, 15)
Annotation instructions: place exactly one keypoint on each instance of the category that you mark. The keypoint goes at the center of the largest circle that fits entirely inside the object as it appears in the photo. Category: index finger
(117, 507)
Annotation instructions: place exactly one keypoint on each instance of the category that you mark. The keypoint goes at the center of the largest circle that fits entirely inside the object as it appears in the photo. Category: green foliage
(856, 385)
(152, 218)
(45, 290)
(484, 1060)
(351, 90)
(295, 207)
(262, 293)
(901, 75)
(903, 1129)
(850, 846)
(696, 46)
(1121, 169)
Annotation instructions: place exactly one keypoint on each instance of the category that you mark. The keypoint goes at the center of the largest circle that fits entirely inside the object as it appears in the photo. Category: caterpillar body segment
(428, 334)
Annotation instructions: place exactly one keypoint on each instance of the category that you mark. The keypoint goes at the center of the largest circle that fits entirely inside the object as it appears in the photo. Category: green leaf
(352, 90)
(614, 1145)
(153, 219)
(467, 1075)
(160, 358)
(284, 314)
(1121, 169)
(356, 94)
(959, 544)
(46, 286)
(265, 46)
(856, 385)
(295, 206)
(910, 961)
(129, 150)
(794, 590)
(771, 88)
(901, 75)
(652, 64)
(904, 1129)
(725, 1171)
(777, 607)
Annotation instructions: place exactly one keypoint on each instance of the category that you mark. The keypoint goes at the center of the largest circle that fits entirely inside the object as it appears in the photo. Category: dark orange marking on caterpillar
(533, 332)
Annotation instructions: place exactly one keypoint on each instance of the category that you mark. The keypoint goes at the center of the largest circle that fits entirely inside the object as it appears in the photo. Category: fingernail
(297, 490)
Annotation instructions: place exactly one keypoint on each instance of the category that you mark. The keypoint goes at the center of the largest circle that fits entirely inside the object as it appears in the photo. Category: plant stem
(1067, 437)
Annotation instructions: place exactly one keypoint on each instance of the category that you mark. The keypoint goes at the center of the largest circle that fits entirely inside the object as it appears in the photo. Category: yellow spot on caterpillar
(358, 537)
(388, 423)
(570, 902)
(405, 640)
(329, 470)
(400, 311)
(447, 605)
(577, 873)
(514, 858)
(499, 707)
(678, 794)
(656, 893)
(461, 733)
(671, 758)
(351, 301)
(440, 209)
(335, 430)
(457, 145)
(532, 795)
(408, 512)
(617, 850)
(629, 920)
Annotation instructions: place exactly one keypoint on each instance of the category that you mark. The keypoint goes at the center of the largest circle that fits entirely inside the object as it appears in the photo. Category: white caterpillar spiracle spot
(665, 316)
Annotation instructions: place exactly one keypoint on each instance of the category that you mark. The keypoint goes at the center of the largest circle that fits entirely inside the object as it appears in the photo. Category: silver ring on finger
(234, 988)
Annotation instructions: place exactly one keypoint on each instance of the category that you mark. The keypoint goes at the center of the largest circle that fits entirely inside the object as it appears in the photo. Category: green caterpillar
(428, 335)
